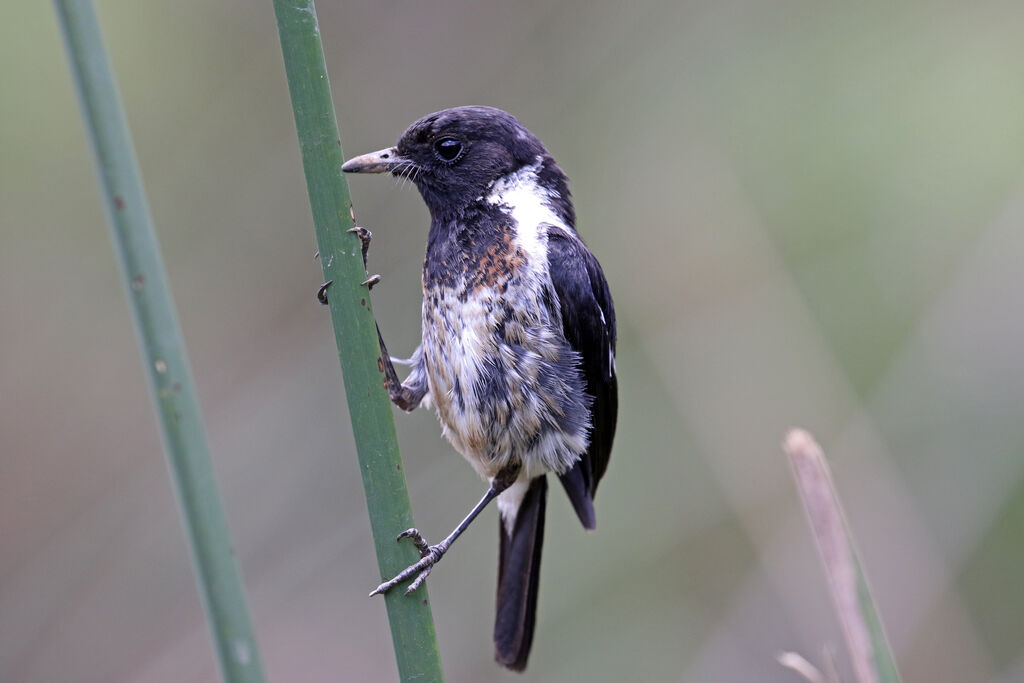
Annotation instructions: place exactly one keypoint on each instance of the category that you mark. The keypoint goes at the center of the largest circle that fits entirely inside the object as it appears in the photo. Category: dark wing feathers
(588, 322)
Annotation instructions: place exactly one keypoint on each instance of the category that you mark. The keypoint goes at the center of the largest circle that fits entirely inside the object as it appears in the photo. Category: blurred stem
(858, 615)
(160, 339)
(373, 426)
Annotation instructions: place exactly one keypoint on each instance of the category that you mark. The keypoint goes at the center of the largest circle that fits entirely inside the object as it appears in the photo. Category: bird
(518, 343)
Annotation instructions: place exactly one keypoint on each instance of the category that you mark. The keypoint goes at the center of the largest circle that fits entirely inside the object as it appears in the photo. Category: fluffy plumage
(518, 336)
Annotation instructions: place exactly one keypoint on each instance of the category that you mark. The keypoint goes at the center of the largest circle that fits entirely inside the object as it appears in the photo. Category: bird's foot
(429, 556)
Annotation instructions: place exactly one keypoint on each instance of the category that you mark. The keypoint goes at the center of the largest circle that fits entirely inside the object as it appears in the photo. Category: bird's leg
(404, 397)
(432, 554)
(391, 380)
(364, 236)
(398, 394)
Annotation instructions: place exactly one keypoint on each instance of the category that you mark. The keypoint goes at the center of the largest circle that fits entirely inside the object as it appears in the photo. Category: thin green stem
(412, 626)
(160, 339)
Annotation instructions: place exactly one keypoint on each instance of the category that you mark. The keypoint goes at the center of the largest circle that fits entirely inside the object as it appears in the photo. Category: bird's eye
(448, 150)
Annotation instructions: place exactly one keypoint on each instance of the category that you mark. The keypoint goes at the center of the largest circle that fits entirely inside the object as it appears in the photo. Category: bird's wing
(588, 322)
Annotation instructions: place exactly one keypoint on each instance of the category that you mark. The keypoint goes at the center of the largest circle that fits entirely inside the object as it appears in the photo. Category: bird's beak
(382, 161)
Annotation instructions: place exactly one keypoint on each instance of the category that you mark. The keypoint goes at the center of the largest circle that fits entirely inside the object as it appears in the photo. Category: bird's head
(453, 156)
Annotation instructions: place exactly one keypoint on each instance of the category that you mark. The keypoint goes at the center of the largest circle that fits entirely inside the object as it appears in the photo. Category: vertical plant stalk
(373, 426)
(160, 339)
(859, 617)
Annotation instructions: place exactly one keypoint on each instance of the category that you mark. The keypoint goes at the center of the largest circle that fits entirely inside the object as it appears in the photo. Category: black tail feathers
(518, 576)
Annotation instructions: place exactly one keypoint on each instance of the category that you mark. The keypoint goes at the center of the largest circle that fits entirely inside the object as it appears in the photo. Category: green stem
(412, 626)
(160, 339)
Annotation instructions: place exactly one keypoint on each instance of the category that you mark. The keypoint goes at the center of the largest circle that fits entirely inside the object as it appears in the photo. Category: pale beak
(382, 161)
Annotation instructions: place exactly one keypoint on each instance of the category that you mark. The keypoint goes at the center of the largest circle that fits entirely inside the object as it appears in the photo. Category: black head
(454, 155)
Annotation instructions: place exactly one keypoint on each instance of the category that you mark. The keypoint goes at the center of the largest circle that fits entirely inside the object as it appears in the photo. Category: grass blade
(862, 626)
(412, 626)
(160, 339)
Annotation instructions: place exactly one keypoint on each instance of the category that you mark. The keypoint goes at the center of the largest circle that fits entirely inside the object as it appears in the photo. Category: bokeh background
(809, 212)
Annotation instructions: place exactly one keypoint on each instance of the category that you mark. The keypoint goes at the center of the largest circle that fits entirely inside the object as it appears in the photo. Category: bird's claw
(364, 236)
(321, 294)
(417, 539)
(429, 556)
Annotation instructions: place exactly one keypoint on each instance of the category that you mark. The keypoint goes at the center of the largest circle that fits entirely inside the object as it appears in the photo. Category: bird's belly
(506, 384)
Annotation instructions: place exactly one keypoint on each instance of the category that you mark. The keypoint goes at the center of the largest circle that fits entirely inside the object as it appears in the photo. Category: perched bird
(518, 339)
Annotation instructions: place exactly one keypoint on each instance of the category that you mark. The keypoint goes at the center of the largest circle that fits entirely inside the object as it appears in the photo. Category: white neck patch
(529, 205)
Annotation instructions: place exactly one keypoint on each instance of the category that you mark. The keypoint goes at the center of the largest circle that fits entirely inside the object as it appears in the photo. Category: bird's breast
(505, 383)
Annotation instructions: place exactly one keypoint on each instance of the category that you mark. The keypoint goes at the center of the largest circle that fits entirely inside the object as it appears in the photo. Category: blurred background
(809, 213)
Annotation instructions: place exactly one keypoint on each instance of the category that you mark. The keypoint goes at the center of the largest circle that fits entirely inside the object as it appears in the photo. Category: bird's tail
(518, 575)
